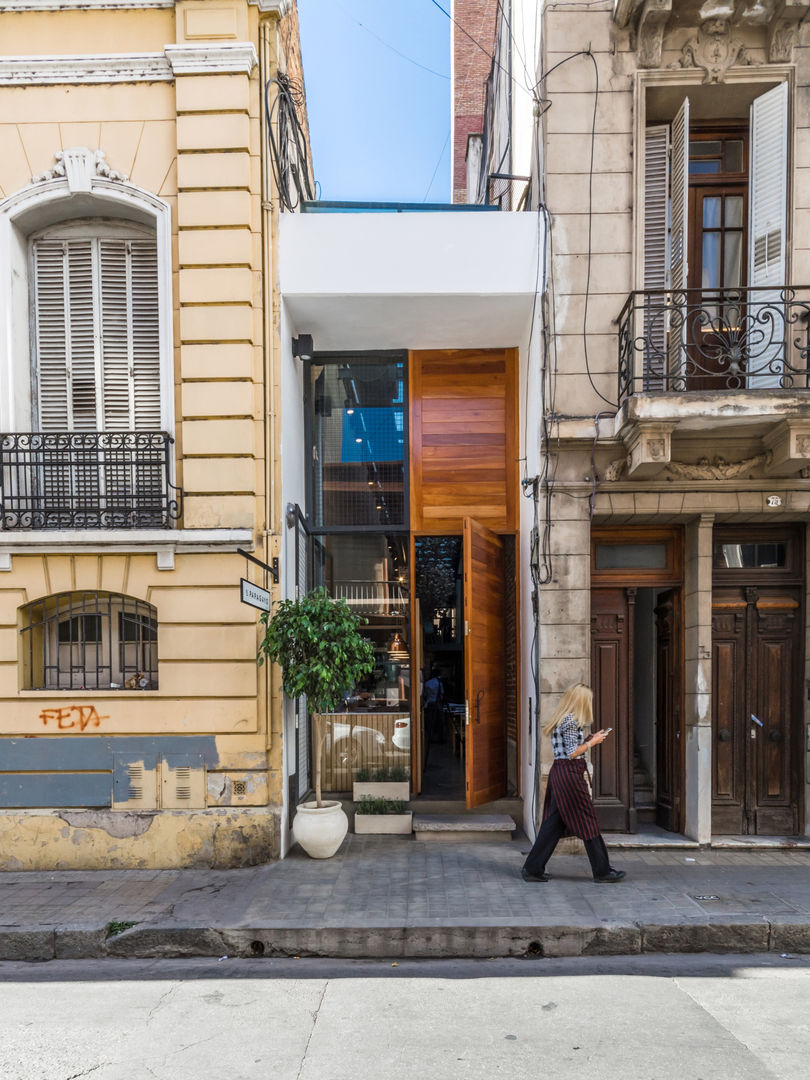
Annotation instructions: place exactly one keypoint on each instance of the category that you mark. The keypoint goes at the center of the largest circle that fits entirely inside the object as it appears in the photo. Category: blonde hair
(577, 701)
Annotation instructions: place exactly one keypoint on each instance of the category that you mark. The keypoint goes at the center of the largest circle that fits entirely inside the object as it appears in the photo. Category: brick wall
(471, 68)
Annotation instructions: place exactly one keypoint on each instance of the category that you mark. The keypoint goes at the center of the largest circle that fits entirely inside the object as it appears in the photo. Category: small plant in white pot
(322, 654)
(374, 815)
(384, 783)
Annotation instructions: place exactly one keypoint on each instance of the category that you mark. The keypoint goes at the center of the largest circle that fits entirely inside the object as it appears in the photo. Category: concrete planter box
(389, 789)
(396, 824)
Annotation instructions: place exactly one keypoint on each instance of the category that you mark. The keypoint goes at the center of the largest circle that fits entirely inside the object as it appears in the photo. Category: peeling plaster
(122, 826)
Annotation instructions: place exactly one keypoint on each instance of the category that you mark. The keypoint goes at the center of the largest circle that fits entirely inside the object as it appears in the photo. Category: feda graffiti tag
(72, 717)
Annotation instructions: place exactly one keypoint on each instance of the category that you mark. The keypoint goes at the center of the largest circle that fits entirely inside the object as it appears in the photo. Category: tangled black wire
(288, 143)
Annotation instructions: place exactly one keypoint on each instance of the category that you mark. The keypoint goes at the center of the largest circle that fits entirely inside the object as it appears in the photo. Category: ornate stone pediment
(714, 49)
(79, 166)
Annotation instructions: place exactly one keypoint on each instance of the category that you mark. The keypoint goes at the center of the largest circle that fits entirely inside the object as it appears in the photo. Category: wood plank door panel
(728, 713)
(669, 711)
(463, 439)
(756, 647)
(484, 663)
(611, 647)
(775, 625)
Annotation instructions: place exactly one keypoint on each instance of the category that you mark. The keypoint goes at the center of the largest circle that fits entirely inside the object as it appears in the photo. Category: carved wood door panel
(668, 711)
(756, 711)
(611, 663)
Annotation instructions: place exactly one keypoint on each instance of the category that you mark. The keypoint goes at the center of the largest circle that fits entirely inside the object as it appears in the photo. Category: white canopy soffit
(410, 280)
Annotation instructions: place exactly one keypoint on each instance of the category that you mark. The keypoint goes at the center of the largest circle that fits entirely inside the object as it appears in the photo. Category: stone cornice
(209, 59)
(268, 7)
(81, 5)
(238, 58)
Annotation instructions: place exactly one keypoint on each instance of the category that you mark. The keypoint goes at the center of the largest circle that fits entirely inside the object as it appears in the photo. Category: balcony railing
(714, 340)
(87, 480)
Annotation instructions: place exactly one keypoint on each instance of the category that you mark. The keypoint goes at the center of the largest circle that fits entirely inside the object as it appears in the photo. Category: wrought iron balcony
(714, 340)
(87, 480)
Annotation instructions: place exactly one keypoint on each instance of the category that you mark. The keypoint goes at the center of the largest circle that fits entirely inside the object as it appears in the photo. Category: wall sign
(255, 595)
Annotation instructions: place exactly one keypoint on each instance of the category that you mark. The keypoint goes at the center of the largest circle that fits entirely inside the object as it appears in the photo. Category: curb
(610, 938)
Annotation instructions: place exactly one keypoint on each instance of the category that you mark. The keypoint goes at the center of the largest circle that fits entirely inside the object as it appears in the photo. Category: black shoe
(524, 873)
(611, 877)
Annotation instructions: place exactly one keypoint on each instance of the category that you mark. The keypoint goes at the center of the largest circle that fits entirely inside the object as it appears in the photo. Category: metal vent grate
(240, 787)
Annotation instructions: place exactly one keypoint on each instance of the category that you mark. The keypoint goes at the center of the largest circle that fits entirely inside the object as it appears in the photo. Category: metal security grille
(89, 641)
(87, 480)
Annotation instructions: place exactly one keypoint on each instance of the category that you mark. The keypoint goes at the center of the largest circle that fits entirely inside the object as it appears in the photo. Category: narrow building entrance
(757, 679)
(637, 678)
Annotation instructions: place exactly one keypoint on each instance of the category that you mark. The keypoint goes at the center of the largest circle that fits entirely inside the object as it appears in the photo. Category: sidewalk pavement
(397, 897)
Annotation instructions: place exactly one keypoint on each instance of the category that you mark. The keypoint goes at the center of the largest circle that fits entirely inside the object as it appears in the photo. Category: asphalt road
(634, 1018)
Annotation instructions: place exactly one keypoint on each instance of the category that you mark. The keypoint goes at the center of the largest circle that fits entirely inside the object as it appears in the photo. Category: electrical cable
(289, 151)
(438, 163)
(387, 44)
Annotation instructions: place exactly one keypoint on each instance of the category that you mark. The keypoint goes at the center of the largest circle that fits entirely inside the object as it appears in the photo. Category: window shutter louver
(678, 240)
(146, 335)
(97, 335)
(50, 305)
(116, 335)
(656, 199)
(767, 228)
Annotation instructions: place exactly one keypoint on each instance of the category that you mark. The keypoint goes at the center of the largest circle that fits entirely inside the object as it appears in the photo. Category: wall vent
(134, 782)
(182, 782)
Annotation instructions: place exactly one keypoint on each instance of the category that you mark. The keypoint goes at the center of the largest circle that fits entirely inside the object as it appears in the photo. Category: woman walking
(568, 808)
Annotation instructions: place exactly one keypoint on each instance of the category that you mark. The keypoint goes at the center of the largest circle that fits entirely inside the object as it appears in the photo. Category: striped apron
(568, 786)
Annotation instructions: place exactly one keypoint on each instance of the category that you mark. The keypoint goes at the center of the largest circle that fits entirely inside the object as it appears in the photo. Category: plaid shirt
(566, 737)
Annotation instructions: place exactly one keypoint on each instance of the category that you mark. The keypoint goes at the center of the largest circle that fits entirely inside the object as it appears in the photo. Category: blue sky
(379, 124)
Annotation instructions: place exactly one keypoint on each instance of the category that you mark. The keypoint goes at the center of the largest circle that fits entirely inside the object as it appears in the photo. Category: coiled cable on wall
(289, 149)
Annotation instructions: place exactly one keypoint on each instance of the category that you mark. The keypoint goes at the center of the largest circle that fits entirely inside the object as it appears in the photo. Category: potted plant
(322, 654)
(385, 783)
(374, 815)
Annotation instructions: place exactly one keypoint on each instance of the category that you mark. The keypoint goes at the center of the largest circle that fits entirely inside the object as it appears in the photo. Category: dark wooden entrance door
(484, 663)
(756, 715)
(668, 711)
(611, 664)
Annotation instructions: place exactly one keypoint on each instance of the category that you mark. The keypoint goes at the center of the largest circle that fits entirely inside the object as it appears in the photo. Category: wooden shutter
(767, 227)
(656, 214)
(145, 335)
(65, 335)
(97, 334)
(678, 239)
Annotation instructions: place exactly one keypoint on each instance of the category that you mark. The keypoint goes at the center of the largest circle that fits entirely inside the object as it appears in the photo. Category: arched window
(86, 640)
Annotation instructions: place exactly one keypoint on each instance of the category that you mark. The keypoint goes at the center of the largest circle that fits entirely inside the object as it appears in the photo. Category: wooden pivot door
(611, 663)
(668, 711)
(484, 663)
(756, 651)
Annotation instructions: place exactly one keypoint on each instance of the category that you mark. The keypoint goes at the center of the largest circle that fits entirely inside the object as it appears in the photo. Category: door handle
(775, 736)
(724, 735)
(478, 697)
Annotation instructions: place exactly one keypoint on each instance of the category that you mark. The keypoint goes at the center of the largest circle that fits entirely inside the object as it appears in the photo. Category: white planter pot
(388, 789)
(399, 824)
(320, 829)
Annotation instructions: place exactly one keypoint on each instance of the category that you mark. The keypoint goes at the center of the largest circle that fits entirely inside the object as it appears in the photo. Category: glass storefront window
(357, 418)
(369, 571)
(763, 556)
(631, 556)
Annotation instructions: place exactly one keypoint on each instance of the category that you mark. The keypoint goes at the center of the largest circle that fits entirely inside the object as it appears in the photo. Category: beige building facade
(139, 453)
(675, 495)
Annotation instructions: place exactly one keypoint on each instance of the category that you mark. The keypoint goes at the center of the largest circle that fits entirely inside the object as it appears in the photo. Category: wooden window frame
(792, 572)
(671, 574)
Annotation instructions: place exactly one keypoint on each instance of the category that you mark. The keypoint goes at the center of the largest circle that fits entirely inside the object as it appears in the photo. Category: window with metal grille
(89, 641)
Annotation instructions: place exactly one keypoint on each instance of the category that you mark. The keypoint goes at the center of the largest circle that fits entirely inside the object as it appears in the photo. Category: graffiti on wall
(72, 718)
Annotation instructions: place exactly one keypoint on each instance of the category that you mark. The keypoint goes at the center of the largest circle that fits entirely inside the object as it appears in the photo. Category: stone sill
(163, 543)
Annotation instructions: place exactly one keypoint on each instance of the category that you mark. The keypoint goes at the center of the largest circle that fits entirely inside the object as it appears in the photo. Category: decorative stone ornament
(714, 50)
(80, 166)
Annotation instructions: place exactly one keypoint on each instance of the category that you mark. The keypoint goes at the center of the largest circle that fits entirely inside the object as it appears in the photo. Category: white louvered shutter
(145, 335)
(678, 240)
(656, 208)
(767, 227)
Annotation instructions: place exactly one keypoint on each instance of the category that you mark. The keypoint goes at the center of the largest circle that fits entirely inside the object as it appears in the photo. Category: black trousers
(551, 832)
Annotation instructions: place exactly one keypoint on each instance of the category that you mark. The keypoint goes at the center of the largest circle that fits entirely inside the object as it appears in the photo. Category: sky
(379, 123)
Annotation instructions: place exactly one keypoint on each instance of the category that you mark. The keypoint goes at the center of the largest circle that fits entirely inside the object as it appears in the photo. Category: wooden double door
(615, 659)
(756, 711)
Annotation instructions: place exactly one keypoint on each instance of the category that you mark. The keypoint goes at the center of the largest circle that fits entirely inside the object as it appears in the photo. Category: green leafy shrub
(371, 805)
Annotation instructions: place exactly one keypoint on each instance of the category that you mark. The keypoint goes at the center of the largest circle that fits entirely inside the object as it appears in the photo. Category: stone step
(462, 828)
